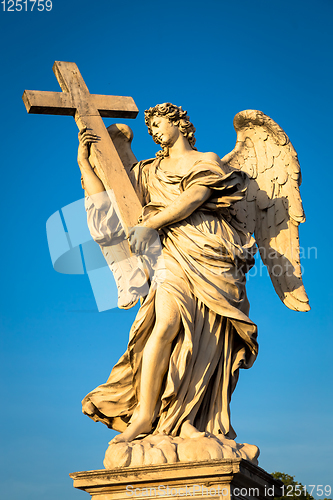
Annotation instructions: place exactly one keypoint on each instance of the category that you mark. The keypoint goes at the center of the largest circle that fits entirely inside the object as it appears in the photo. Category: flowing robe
(206, 256)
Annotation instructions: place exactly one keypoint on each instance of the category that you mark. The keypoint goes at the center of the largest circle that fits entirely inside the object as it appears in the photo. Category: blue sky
(214, 58)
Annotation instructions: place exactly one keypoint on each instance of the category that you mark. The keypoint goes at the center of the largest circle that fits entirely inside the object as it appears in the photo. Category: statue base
(223, 479)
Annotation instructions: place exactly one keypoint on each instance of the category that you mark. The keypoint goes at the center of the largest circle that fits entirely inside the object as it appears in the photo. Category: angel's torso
(159, 181)
(207, 225)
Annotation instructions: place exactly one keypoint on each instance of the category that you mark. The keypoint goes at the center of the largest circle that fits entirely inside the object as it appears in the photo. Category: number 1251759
(296, 490)
(25, 5)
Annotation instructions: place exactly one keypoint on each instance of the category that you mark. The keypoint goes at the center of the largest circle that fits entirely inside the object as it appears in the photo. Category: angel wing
(273, 208)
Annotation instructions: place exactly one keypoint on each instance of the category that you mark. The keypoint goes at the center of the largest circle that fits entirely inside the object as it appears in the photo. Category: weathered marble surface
(162, 449)
(88, 109)
(223, 479)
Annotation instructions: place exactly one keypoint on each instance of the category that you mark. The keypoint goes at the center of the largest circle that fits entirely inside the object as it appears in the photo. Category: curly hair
(176, 116)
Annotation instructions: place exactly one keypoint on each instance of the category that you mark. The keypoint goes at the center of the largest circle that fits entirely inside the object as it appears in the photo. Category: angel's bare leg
(156, 357)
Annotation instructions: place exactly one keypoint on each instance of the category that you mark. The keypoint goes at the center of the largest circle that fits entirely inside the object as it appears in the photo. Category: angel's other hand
(140, 238)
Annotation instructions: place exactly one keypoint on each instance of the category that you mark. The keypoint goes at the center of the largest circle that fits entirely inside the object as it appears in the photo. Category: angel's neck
(179, 148)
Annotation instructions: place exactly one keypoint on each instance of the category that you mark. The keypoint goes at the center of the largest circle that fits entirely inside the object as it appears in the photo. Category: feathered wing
(273, 208)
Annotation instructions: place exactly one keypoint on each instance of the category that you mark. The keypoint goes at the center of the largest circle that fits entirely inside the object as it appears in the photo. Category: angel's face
(163, 131)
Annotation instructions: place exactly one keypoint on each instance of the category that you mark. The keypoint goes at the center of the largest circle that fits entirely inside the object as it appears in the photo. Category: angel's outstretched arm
(183, 206)
(92, 183)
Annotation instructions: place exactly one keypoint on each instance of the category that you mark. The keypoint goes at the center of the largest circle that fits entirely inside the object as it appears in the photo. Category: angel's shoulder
(210, 157)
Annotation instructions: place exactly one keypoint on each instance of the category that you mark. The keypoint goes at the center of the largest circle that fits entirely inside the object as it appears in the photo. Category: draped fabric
(206, 257)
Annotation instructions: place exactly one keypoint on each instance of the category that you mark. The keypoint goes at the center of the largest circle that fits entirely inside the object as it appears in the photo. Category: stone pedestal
(223, 479)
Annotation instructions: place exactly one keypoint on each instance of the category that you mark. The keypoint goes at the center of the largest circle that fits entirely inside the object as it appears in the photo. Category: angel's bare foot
(189, 431)
(139, 426)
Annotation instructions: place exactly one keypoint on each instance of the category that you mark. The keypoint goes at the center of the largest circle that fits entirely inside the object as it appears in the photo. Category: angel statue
(169, 394)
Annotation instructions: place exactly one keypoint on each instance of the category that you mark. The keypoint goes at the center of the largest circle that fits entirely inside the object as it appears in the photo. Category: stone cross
(88, 110)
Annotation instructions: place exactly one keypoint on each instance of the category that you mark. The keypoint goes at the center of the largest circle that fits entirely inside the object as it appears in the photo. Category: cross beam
(88, 110)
